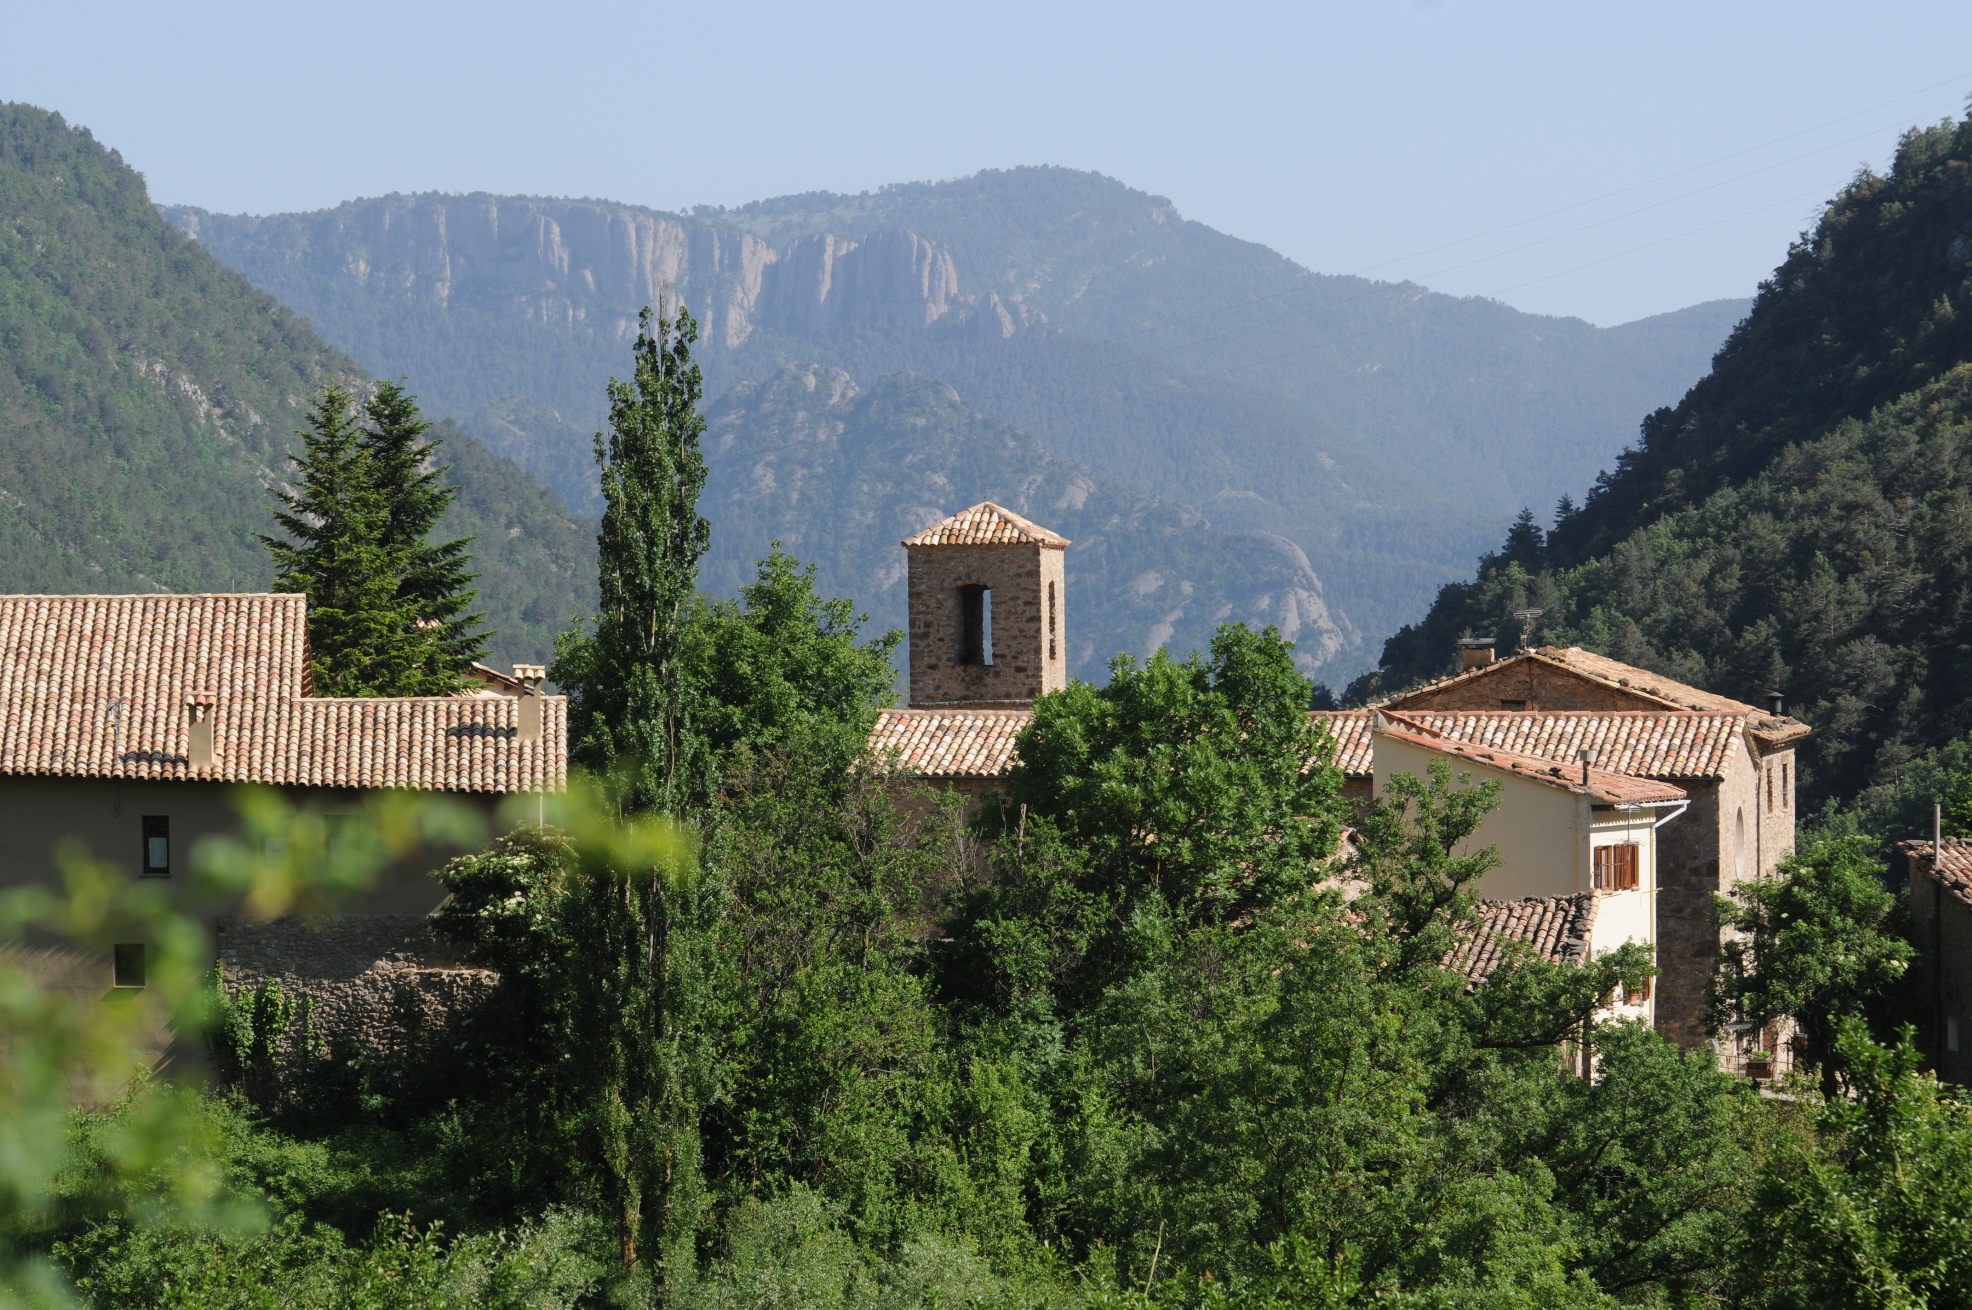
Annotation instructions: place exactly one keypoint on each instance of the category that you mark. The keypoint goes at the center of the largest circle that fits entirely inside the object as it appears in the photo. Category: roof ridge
(986, 524)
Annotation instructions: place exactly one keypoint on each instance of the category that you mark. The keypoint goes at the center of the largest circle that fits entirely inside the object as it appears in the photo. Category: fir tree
(335, 555)
(630, 696)
(441, 636)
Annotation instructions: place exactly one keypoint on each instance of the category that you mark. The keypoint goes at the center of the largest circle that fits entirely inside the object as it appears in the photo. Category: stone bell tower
(987, 603)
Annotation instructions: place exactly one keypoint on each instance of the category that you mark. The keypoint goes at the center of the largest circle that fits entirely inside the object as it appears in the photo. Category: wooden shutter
(1618, 868)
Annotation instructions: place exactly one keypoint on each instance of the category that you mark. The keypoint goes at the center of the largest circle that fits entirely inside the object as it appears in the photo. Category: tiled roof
(1643, 743)
(1954, 870)
(951, 743)
(1771, 729)
(1350, 728)
(986, 524)
(1602, 785)
(1556, 927)
(97, 686)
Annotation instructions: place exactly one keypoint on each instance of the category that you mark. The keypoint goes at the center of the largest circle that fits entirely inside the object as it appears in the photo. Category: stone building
(1941, 925)
(128, 724)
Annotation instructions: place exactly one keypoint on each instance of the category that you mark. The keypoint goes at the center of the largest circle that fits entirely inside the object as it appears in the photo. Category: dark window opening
(128, 960)
(975, 625)
(1051, 620)
(157, 846)
(1513, 704)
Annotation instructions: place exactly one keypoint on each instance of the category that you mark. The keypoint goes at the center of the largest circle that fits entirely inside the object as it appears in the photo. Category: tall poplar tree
(441, 635)
(335, 555)
(630, 699)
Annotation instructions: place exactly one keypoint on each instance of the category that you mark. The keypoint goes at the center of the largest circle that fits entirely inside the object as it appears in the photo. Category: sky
(1608, 161)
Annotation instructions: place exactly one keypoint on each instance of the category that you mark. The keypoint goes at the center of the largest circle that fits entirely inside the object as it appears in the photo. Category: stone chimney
(1475, 652)
(201, 707)
(988, 611)
(530, 677)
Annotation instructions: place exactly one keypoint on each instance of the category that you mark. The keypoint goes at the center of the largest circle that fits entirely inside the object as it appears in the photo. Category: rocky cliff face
(568, 262)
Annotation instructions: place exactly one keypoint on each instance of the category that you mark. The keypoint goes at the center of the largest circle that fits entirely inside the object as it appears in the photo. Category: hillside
(1800, 520)
(1093, 316)
(839, 475)
(148, 397)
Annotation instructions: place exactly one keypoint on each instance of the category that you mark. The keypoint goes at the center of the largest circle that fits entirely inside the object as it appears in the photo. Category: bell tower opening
(976, 625)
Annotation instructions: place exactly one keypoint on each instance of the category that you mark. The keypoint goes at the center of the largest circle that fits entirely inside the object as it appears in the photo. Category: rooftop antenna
(1527, 620)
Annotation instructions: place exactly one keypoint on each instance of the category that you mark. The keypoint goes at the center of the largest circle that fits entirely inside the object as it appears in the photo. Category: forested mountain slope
(148, 397)
(1802, 520)
(839, 476)
(1157, 351)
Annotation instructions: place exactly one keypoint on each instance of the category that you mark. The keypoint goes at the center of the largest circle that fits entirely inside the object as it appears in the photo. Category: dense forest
(151, 396)
(1799, 521)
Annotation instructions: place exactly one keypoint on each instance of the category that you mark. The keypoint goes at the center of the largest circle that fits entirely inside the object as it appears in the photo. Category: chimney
(200, 709)
(1475, 652)
(1587, 757)
(530, 677)
(1775, 704)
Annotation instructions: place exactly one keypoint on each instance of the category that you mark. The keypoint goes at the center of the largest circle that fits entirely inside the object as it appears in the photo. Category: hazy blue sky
(1349, 137)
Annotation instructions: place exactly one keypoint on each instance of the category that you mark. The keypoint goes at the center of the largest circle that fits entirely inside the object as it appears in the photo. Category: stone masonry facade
(1028, 584)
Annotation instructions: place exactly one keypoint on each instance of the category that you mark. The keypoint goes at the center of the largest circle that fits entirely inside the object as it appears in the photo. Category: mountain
(1160, 353)
(148, 397)
(839, 475)
(1802, 520)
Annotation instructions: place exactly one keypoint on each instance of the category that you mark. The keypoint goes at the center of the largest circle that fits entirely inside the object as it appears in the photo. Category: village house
(127, 723)
(1580, 841)
(1941, 925)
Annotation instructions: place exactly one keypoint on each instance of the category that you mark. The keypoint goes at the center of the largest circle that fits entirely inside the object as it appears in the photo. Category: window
(1769, 789)
(157, 846)
(975, 625)
(1513, 704)
(1617, 867)
(1051, 620)
(1784, 802)
(1951, 1032)
(1638, 995)
(128, 960)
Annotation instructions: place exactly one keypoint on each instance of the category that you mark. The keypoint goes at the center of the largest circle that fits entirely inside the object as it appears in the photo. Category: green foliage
(630, 694)
(1822, 943)
(1798, 521)
(1868, 1210)
(385, 605)
(149, 390)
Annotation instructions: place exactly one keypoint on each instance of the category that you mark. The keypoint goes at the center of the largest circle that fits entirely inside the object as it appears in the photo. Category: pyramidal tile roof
(98, 686)
(1600, 784)
(987, 524)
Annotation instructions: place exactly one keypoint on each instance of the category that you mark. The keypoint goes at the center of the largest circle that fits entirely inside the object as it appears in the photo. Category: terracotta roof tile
(1602, 785)
(1954, 870)
(986, 524)
(1556, 927)
(96, 686)
(1771, 729)
(1644, 743)
(951, 743)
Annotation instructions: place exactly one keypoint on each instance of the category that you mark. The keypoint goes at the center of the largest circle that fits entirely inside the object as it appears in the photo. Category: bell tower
(987, 611)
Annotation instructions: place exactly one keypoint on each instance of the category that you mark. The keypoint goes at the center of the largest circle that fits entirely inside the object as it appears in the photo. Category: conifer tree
(335, 555)
(630, 696)
(441, 636)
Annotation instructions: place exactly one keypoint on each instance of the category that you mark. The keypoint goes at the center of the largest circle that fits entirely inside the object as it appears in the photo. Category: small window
(157, 846)
(1051, 620)
(1784, 802)
(975, 625)
(1769, 789)
(1617, 868)
(128, 960)
(1951, 1032)
(1638, 995)
(1513, 704)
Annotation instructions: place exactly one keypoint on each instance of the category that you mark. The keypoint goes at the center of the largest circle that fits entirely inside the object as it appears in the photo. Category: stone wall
(1687, 943)
(1941, 924)
(1523, 685)
(1028, 661)
(380, 985)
